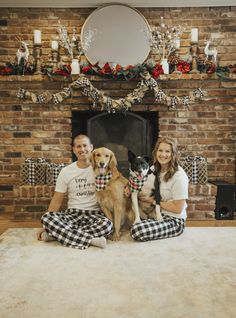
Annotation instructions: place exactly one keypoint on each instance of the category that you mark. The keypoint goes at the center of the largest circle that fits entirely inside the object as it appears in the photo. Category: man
(82, 224)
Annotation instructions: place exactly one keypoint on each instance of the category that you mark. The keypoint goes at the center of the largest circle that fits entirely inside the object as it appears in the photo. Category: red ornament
(86, 69)
(157, 71)
(183, 67)
(105, 70)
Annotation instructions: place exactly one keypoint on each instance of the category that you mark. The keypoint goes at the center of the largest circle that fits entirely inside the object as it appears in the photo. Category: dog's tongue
(102, 170)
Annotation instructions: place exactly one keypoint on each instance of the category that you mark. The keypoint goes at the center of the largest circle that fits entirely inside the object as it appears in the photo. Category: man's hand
(127, 191)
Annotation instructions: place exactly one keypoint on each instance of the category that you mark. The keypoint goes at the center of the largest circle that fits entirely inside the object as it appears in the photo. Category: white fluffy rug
(191, 276)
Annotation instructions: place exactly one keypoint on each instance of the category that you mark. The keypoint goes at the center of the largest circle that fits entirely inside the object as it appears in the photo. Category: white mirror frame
(117, 34)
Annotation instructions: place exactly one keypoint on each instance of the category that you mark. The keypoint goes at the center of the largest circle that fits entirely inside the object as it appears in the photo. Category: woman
(173, 190)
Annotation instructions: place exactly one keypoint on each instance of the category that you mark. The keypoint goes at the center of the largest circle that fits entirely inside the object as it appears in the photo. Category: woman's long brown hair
(173, 164)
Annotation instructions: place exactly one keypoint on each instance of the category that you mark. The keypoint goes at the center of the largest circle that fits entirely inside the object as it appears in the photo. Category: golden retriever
(110, 184)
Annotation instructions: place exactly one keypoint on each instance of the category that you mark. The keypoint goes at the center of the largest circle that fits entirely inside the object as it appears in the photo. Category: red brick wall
(31, 130)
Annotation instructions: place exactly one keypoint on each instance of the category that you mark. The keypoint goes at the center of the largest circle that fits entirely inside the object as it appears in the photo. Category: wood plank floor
(6, 223)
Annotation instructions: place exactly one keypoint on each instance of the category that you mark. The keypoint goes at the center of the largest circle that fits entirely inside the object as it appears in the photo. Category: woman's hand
(145, 198)
(175, 206)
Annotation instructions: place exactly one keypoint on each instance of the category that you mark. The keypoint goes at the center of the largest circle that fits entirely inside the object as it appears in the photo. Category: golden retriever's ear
(113, 164)
(113, 161)
(92, 159)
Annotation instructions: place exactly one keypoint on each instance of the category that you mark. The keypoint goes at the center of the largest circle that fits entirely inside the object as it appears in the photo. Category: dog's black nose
(102, 164)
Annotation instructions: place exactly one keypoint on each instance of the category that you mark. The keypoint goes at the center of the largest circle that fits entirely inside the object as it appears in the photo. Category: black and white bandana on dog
(136, 184)
(101, 181)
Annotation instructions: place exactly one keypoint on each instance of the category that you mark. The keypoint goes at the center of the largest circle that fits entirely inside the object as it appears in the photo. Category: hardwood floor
(6, 223)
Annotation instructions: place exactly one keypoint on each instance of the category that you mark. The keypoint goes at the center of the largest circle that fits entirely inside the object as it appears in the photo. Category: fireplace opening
(136, 131)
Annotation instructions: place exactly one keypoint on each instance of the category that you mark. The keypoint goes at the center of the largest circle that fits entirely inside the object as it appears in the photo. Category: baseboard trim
(210, 223)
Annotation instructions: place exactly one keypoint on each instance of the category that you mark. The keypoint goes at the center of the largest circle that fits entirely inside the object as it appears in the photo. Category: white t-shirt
(80, 186)
(176, 188)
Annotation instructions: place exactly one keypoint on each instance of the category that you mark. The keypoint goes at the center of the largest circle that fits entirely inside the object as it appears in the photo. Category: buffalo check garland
(109, 104)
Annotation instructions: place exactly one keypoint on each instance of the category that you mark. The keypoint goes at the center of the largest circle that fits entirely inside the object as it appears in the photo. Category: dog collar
(101, 181)
(136, 184)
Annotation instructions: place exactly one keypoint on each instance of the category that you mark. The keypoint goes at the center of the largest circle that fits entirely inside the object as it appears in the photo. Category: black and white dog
(142, 178)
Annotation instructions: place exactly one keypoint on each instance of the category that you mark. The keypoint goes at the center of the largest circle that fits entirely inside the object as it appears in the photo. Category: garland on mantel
(129, 72)
(109, 104)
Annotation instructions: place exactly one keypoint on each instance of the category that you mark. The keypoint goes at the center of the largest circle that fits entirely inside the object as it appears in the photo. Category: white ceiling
(95, 3)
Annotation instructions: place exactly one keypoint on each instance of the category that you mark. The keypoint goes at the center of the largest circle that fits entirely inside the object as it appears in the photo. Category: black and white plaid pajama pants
(151, 229)
(75, 228)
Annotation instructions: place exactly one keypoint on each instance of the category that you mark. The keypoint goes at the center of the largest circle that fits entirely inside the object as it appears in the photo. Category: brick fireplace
(206, 128)
(33, 130)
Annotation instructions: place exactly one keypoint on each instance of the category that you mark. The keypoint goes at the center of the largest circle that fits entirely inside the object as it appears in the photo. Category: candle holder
(55, 55)
(194, 50)
(176, 61)
(38, 51)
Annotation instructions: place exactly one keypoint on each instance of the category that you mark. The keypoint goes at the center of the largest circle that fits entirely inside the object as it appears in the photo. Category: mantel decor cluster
(109, 104)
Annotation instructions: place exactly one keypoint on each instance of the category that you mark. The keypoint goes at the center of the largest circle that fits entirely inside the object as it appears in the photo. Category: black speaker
(225, 200)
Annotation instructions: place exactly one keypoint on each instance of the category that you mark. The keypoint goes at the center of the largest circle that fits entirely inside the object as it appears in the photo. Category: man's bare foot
(99, 242)
(42, 235)
(39, 234)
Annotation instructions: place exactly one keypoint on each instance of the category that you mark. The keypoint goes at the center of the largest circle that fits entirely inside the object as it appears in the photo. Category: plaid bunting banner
(196, 169)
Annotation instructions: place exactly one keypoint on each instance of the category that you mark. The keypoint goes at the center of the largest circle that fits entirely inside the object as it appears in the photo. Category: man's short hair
(81, 136)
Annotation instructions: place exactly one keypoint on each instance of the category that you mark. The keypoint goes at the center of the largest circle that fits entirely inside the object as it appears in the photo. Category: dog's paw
(115, 237)
(137, 220)
(158, 213)
(158, 217)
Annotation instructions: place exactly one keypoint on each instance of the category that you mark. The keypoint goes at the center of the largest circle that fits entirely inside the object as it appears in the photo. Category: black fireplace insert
(136, 131)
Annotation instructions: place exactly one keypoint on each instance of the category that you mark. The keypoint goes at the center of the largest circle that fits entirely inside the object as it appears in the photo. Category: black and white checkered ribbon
(186, 100)
(101, 181)
(159, 96)
(55, 99)
(136, 184)
(195, 162)
(21, 94)
(67, 92)
(173, 102)
(198, 93)
(31, 168)
(150, 82)
(55, 170)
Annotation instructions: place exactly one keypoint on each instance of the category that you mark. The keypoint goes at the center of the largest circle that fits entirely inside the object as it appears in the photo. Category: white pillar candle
(54, 45)
(75, 67)
(177, 43)
(162, 22)
(194, 35)
(37, 37)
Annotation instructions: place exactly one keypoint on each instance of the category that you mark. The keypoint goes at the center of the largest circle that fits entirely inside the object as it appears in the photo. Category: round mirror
(116, 34)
